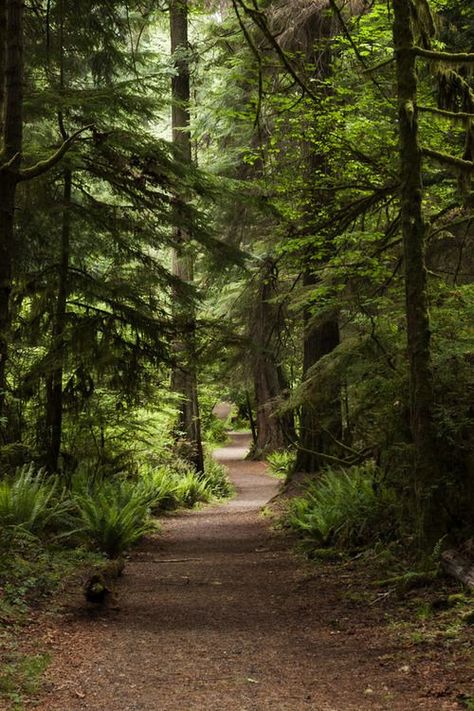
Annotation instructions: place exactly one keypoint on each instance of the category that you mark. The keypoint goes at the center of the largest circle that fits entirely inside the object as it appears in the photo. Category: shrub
(344, 508)
(160, 489)
(281, 463)
(192, 489)
(216, 478)
(215, 430)
(176, 484)
(112, 515)
(30, 501)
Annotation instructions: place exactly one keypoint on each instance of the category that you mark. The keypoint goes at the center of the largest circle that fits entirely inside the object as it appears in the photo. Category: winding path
(216, 614)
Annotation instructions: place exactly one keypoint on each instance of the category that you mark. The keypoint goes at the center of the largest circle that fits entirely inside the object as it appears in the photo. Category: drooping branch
(44, 165)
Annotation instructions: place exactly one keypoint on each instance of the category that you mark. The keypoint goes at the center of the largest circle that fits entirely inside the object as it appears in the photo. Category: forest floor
(219, 613)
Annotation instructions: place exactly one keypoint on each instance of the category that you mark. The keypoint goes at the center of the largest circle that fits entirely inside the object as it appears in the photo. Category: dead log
(455, 565)
(99, 587)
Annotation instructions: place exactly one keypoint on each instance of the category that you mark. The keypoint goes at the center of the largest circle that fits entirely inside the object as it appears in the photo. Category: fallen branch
(458, 567)
(174, 560)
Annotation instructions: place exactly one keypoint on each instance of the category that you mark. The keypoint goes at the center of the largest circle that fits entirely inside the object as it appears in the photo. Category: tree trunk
(54, 390)
(273, 431)
(313, 440)
(319, 340)
(184, 378)
(11, 16)
(425, 470)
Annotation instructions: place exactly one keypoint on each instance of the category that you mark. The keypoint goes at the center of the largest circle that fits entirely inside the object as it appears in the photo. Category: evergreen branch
(446, 114)
(258, 57)
(448, 159)
(449, 57)
(259, 19)
(44, 165)
(124, 317)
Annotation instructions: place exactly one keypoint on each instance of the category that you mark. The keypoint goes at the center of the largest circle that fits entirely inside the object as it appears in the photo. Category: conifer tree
(184, 378)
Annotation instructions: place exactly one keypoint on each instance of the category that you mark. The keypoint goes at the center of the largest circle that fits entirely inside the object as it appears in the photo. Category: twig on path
(174, 560)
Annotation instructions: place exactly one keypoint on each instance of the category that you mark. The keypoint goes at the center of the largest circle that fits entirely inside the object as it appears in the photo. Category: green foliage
(31, 502)
(20, 676)
(159, 487)
(281, 464)
(215, 430)
(112, 516)
(344, 508)
(192, 489)
(216, 479)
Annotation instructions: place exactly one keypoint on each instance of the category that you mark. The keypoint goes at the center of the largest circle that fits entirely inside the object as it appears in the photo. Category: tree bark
(273, 431)
(12, 13)
(320, 339)
(184, 377)
(426, 475)
(313, 441)
(54, 389)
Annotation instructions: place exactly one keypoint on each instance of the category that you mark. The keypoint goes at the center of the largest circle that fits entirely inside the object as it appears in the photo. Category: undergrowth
(344, 509)
(281, 463)
(49, 530)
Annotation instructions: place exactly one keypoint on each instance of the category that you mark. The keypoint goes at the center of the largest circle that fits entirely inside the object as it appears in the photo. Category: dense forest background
(266, 202)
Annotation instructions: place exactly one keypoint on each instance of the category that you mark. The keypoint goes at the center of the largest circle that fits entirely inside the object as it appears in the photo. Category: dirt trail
(218, 614)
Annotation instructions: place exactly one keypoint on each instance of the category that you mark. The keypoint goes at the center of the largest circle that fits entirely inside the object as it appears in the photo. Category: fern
(112, 516)
(345, 508)
(31, 501)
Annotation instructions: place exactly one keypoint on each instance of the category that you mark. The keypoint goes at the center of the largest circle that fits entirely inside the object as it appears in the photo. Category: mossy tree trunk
(273, 431)
(184, 377)
(54, 389)
(426, 475)
(320, 425)
(11, 97)
(314, 441)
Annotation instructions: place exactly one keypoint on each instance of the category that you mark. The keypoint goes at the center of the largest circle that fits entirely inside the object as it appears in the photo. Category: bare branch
(448, 159)
(456, 115)
(448, 57)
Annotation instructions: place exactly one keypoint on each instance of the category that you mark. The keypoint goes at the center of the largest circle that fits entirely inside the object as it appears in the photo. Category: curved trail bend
(216, 615)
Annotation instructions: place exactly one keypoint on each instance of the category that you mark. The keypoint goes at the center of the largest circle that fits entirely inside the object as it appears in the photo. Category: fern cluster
(30, 502)
(108, 515)
(346, 508)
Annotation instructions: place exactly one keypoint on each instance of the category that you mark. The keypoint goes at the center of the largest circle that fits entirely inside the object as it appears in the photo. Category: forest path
(218, 614)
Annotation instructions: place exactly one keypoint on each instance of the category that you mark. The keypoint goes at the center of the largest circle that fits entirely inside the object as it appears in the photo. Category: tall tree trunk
(54, 390)
(319, 426)
(425, 470)
(11, 16)
(274, 431)
(314, 442)
(184, 378)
